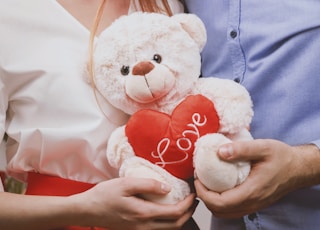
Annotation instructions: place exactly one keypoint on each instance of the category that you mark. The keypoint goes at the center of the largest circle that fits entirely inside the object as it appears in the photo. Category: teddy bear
(149, 65)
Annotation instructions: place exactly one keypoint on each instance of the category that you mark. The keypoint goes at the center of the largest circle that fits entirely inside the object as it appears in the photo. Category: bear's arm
(118, 148)
(231, 100)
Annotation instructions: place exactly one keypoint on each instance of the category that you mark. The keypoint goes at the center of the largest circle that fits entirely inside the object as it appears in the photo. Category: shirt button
(233, 34)
(252, 216)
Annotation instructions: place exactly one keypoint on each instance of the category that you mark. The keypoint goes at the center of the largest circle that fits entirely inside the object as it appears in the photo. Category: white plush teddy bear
(148, 65)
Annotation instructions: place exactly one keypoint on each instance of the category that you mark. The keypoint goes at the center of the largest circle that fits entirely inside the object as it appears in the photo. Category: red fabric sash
(39, 184)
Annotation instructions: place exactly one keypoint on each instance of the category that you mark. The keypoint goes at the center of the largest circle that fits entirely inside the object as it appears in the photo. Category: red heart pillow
(168, 141)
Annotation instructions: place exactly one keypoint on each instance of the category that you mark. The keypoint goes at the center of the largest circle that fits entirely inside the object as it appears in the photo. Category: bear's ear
(193, 25)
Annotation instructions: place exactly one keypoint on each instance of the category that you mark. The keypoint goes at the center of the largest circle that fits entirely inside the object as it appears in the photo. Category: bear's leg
(141, 168)
(215, 174)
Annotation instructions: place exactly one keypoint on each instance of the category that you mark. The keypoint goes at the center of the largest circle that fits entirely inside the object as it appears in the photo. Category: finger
(214, 200)
(243, 150)
(208, 197)
(229, 204)
(175, 211)
(134, 186)
(185, 220)
(161, 216)
(156, 211)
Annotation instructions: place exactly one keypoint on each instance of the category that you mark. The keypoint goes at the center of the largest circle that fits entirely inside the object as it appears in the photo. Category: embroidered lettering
(184, 143)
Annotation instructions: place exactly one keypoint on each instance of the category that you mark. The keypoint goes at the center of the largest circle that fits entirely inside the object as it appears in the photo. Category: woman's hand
(115, 204)
(277, 169)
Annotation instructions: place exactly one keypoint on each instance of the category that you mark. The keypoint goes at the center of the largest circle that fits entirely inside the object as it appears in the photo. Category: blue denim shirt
(272, 47)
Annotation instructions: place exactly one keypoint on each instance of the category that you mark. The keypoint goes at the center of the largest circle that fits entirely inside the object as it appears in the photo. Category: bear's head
(149, 60)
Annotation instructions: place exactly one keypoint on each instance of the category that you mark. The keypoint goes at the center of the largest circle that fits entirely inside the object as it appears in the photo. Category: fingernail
(165, 187)
(226, 151)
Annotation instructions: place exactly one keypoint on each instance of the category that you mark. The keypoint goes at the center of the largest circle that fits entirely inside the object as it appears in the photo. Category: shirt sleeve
(317, 143)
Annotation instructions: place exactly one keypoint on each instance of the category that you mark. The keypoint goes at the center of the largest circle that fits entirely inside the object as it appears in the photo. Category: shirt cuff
(316, 142)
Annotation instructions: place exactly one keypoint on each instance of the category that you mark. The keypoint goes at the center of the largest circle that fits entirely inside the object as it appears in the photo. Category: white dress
(47, 108)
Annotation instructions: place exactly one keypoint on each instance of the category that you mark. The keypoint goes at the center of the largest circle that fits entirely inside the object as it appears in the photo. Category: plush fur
(147, 64)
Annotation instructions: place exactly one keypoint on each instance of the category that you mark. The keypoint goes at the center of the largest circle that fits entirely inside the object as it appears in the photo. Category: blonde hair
(145, 5)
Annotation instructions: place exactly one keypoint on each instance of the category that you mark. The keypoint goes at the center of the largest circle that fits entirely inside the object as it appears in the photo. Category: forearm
(37, 212)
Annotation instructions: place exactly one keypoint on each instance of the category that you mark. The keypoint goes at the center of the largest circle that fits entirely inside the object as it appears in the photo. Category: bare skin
(277, 169)
(85, 11)
(113, 204)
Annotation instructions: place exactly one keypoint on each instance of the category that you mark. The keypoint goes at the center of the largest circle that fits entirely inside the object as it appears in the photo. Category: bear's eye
(125, 70)
(157, 58)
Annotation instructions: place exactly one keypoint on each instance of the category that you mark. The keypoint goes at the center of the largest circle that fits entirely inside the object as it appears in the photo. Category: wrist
(78, 211)
(308, 162)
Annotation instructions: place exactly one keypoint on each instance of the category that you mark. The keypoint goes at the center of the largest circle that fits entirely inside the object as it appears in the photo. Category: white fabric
(1, 187)
(3, 159)
(47, 108)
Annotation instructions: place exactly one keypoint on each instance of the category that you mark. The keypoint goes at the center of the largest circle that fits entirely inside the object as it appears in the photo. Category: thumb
(240, 151)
